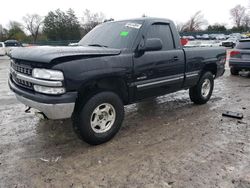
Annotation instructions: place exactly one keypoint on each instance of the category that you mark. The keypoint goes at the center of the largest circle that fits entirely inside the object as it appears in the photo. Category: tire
(100, 118)
(234, 71)
(202, 92)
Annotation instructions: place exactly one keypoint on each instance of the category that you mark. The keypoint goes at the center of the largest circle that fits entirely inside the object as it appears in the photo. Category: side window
(163, 32)
(1, 45)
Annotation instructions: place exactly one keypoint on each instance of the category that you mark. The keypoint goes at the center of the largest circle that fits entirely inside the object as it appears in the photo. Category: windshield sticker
(133, 25)
(124, 33)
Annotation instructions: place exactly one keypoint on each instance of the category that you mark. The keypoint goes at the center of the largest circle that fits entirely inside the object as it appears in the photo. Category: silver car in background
(240, 57)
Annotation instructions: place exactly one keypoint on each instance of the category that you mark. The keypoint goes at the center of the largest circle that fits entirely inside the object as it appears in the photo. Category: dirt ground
(164, 142)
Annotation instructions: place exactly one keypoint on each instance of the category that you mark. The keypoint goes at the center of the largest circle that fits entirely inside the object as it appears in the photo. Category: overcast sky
(215, 11)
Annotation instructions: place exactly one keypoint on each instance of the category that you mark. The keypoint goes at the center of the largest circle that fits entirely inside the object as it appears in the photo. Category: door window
(163, 32)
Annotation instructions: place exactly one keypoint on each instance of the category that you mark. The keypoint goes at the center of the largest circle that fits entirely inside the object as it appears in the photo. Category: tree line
(57, 25)
(61, 25)
(238, 14)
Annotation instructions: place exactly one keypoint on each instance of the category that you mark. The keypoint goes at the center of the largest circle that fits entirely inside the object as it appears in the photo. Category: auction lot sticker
(133, 25)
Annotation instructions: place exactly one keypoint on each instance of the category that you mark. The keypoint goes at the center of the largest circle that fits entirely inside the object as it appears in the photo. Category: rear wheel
(234, 71)
(100, 118)
(202, 92)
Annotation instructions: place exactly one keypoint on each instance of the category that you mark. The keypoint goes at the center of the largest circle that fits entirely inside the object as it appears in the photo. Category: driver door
(162, 71)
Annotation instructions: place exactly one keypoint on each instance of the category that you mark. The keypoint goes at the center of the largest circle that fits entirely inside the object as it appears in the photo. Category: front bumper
(54, 107)
(51, 111)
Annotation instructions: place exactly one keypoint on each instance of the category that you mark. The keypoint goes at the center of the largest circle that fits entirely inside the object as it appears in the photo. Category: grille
(23, 69)
(22, 83)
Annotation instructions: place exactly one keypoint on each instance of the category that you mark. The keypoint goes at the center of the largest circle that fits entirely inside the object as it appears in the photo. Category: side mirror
(152, 44)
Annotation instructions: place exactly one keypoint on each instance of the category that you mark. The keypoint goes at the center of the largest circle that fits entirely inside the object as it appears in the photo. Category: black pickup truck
(115, 64)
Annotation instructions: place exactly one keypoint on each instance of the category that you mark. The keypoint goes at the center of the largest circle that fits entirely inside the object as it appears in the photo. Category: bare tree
(33, 23)
(90, 20)
(180, 26)
(195, 23)
(246, 21)
(237, 14)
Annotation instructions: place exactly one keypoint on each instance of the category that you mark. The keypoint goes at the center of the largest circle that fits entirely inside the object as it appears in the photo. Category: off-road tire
(82, 118)
(195, 93)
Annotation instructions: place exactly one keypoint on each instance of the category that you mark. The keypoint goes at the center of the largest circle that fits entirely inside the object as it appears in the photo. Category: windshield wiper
(98, 45)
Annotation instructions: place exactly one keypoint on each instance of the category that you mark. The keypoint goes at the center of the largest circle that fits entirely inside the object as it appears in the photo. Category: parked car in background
(212, 36)
(244, 36)
(205, 37)
(2, 48)
(198, 37)
(237, 35)
(220, 37)
(240, 57)
(247, 35)
(196, 43)
(189, 37)
(211, 43)
(11, 44)
(231, 42)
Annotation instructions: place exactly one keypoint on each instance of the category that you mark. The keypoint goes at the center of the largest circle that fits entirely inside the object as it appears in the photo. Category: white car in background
(212, 43)
(220, 37)
(192, 44)
(205, 37)
(2, 49)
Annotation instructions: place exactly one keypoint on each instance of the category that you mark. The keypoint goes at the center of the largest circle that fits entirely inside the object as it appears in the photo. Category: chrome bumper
(52, 111)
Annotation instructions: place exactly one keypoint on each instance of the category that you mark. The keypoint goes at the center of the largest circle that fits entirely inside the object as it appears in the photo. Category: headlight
(49, 90)
(47, 74)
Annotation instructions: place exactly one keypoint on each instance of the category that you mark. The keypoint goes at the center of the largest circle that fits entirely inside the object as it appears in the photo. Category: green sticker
(124, 33)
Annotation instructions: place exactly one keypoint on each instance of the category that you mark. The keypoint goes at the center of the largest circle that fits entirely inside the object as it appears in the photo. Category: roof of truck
(147, 19)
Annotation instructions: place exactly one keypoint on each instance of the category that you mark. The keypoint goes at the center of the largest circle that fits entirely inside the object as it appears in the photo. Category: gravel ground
(164, 142)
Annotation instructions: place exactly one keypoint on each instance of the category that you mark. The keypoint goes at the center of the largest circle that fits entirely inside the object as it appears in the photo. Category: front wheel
(100, 118)
(202, 92)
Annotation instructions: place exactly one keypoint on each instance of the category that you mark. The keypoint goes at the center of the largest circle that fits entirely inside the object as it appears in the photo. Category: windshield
(243, 45)
(120, 35)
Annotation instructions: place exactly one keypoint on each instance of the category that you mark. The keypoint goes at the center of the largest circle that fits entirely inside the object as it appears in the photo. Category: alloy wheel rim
(103, 118)
(206, 87)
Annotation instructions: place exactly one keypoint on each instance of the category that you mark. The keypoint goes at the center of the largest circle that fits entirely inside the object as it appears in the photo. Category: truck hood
(46, 54)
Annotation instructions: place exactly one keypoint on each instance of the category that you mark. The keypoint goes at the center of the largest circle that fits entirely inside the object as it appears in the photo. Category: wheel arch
(212, 67)
(90, 87)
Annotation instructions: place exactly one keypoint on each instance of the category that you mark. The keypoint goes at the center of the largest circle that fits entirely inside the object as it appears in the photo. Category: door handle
(175, 58)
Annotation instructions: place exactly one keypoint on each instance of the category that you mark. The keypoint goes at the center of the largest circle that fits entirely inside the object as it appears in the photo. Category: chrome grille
(23, 69)
(22, 83)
